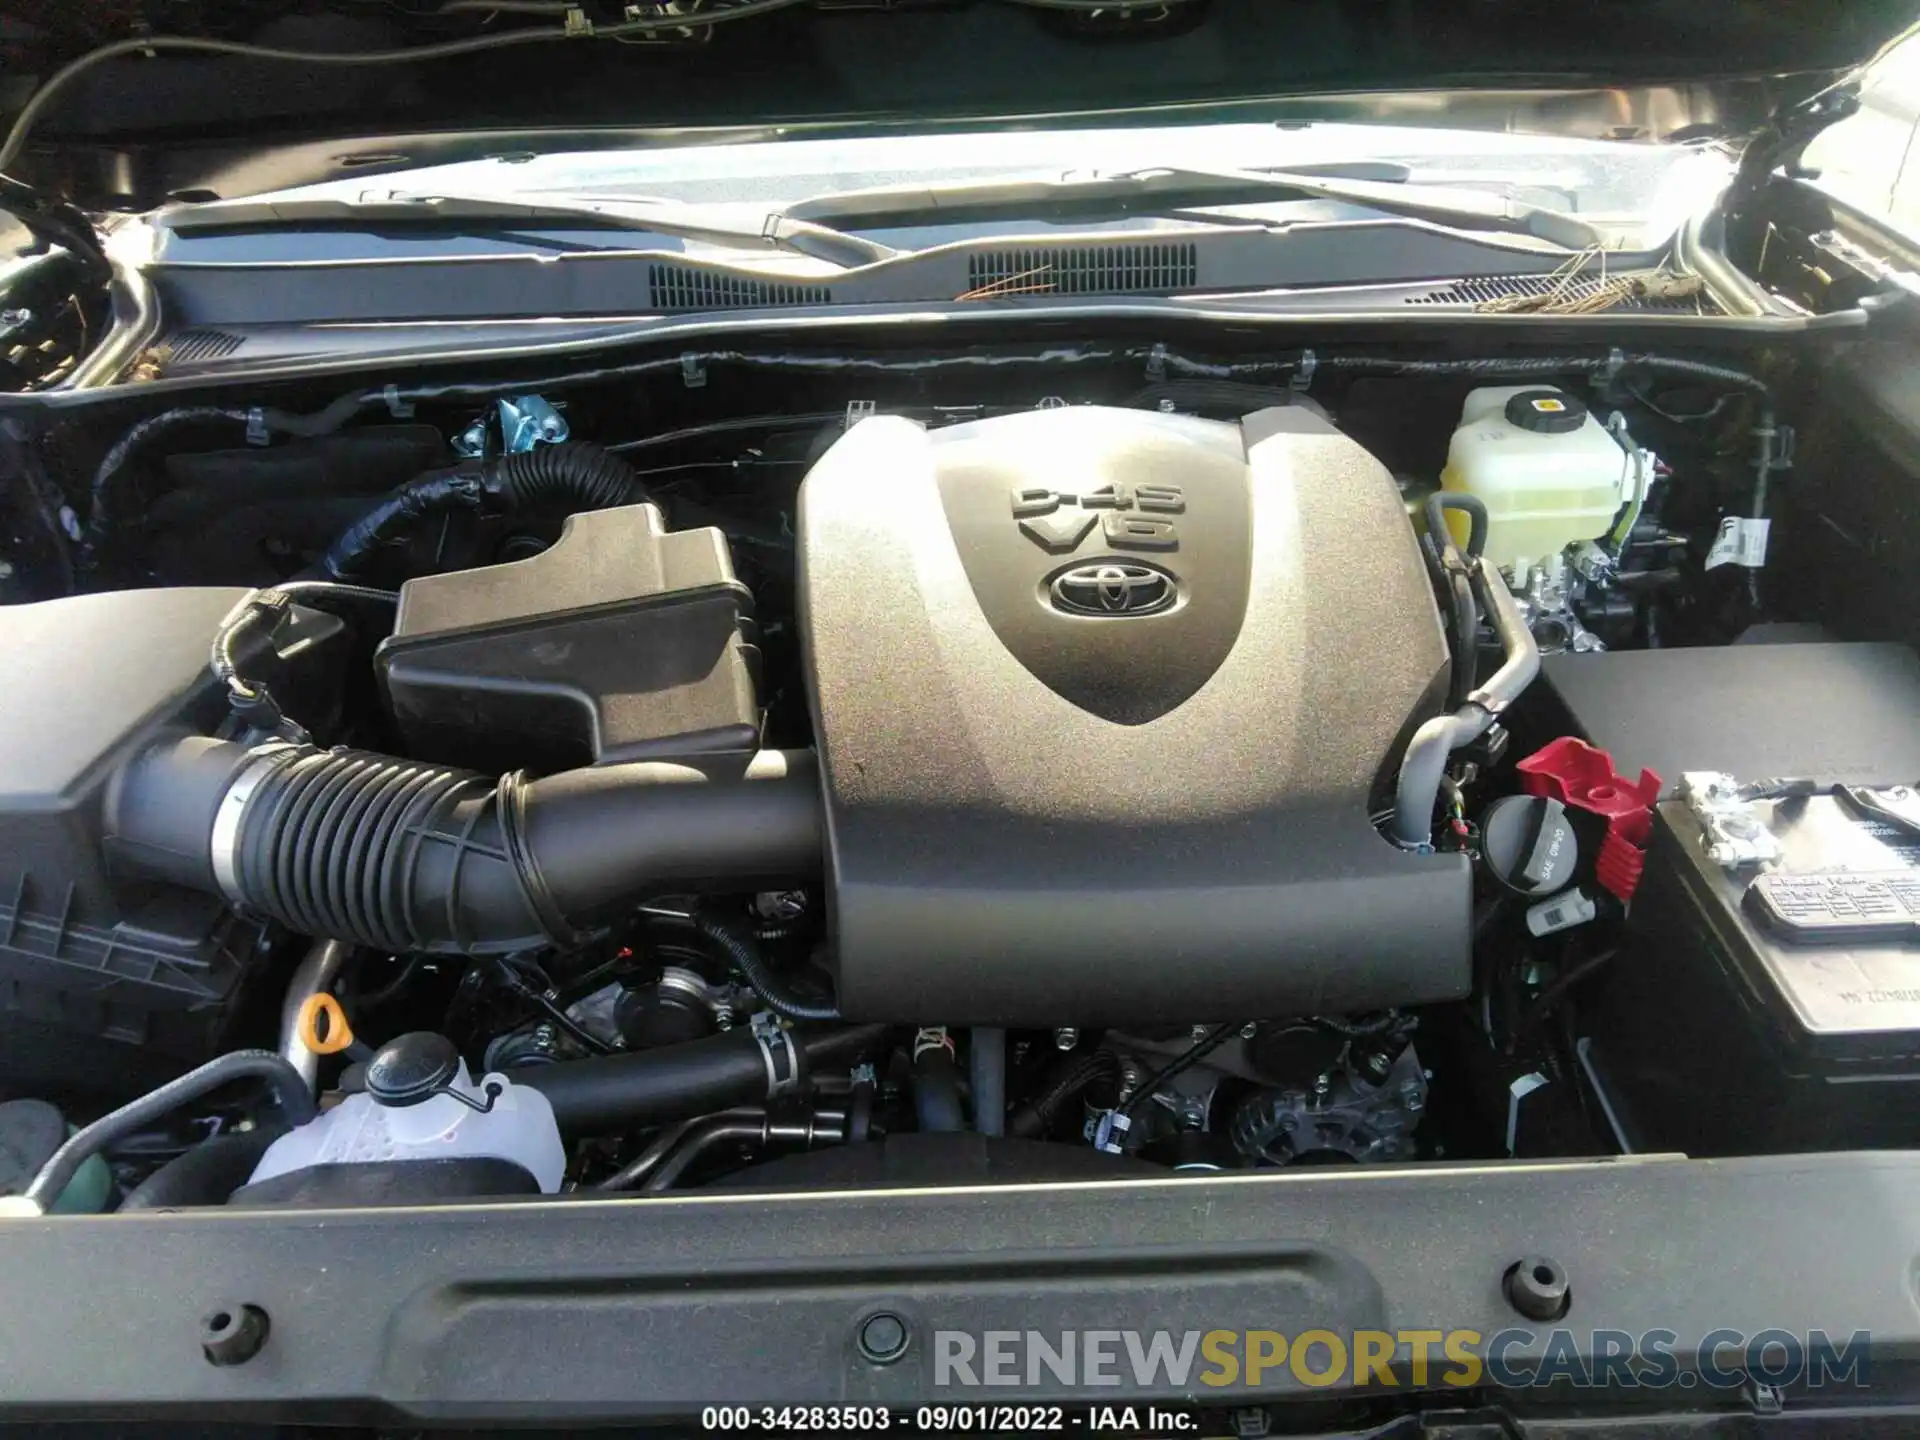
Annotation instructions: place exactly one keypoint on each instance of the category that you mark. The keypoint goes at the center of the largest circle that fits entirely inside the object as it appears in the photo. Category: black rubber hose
(1465, 615)
(252, 702)
(205, 1175)
(296, 1106)
(657, 1087)
(936, 1089)
(1034, 1118)
(578, 476)
(550, 477)
(1441, 501)
(412, 858)
(730, 939)
(1453, 573)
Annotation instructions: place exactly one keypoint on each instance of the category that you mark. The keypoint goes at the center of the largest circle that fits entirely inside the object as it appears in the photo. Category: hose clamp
(511, 801)
(223, 846)
(778, 1052)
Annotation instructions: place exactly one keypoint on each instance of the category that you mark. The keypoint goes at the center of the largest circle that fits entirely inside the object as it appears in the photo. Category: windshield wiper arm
(1447, 205)
(776, 230)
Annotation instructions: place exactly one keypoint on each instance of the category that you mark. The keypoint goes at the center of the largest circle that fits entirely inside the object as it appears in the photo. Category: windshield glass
(1639, 194)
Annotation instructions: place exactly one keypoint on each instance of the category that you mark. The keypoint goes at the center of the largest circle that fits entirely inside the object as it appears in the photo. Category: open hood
(462, 79)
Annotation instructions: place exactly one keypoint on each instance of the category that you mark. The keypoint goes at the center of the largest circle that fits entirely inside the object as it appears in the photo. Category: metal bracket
(257, 433)
(693, 371)
(396, 407)
(858, 410)
(1157, 362)
(527, 421)
(1302, 378)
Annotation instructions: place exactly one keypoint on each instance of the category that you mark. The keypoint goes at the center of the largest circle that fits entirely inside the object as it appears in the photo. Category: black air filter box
(622, 641)
(106, 983)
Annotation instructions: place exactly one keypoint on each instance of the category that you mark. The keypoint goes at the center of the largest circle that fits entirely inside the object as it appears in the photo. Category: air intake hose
(412, 857)
(562, 478)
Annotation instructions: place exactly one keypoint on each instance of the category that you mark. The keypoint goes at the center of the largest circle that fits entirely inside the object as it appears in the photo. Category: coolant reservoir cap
(1546, 412)
(412, 1068)
(1527, 844)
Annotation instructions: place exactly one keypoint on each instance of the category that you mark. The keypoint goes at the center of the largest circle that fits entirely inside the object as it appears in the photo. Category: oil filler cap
(1546, 412)
(1528, 846)
(412, 1068)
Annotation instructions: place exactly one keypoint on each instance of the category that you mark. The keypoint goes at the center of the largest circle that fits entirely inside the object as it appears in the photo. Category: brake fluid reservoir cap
(1546, 412)
(1528, 846)
(411, 1068)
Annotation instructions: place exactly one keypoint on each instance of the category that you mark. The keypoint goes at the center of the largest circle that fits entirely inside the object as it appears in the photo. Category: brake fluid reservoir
(1548, 472)
(421, 1104)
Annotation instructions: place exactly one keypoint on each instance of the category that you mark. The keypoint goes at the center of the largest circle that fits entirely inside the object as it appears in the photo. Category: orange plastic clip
(328, 1036)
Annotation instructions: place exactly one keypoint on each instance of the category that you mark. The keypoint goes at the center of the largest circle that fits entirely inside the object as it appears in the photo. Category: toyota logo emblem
(1113, 588)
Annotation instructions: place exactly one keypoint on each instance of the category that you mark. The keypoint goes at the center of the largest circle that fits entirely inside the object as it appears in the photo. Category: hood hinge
(1782, 142)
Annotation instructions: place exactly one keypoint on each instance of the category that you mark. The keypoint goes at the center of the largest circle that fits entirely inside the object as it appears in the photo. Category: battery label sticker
(1740, 542)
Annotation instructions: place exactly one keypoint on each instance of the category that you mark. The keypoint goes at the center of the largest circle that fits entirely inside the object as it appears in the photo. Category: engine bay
(811, 770)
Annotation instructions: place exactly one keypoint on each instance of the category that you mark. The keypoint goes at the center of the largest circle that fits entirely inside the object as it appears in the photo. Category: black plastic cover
(1104, 699)
(622, 641)
(1832, 713)
(96, 968)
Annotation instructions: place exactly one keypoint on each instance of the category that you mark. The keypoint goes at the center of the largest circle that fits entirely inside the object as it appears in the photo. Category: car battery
(1767, 1009)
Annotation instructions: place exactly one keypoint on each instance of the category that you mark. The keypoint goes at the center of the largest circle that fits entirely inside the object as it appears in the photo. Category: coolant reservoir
(421, 1104)
(1545, 468)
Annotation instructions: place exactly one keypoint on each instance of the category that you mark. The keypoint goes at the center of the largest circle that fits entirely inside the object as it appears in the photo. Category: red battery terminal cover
(1574, 773)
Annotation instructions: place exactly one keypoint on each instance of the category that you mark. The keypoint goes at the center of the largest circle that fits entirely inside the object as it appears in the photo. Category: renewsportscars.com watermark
(1459, 1359)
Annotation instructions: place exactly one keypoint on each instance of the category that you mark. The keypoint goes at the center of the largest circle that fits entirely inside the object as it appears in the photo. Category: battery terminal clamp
(1735, 833)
